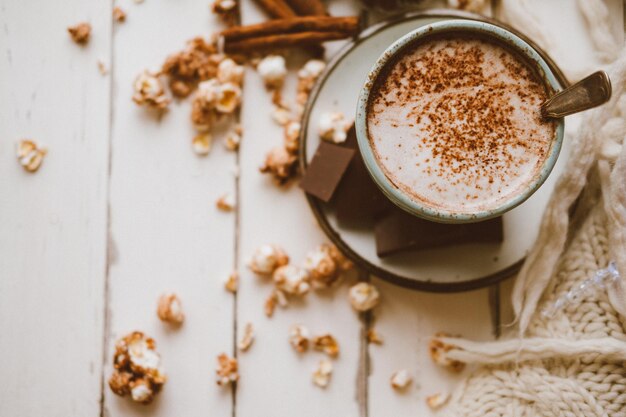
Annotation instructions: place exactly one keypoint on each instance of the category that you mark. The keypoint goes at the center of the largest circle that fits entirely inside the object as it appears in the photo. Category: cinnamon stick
(308, 7)
(347, 26)
(288, 40)
(277, 9)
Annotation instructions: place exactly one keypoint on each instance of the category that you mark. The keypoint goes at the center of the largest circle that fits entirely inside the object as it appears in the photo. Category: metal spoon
(587, 93)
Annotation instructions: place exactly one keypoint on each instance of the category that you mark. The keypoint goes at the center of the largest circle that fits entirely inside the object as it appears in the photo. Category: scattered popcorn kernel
(270, 305)
(149, 91)
(267, 258)
(292, 280)
(80, 33)
(226, 370)
(30, 154)
(233, 139)
(436, 401)
(327, 344)
(333, 127)
(228, 98)
(226, 202)
(321, 376)
(273, 71)
(118, 14)
(185, 69)
(343, 263)
(363, 296)
(401, 379)
(475, 6)
(292, 136)
(438, 351)
(299, 338)
(170, 309)
(137, 368)
(232, 282)
(228, 71)
(102, 68)
(281, 115)
(203, 105)
(247, 339)
(281, 298)
(373, 337)
(307, 76)
(281, 164)
(322, 267)
(201, 143)
(226, 10)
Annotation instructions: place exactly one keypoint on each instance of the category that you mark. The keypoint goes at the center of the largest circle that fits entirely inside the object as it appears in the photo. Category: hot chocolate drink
(454, 123)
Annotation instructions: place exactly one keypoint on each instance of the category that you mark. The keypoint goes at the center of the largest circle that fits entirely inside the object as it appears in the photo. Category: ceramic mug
(396, 195)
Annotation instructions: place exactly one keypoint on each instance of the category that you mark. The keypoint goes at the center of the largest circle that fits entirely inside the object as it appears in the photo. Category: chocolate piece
(399, 231)
(326, 169)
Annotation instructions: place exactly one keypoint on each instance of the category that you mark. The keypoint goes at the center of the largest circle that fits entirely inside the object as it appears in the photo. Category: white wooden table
(122, 210)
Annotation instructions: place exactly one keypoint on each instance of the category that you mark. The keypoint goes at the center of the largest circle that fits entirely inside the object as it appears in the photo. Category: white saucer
(455, 268)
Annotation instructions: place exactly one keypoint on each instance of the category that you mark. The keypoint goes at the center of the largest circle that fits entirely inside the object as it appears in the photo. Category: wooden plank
(166, 232)
(53, 239)
(274, 378)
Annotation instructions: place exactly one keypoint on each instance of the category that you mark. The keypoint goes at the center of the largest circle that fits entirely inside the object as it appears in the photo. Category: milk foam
(455, 124)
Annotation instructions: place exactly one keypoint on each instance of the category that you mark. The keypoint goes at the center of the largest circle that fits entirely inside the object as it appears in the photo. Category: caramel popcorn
(273, 71)
(226, 10)
(327, 344)
(228, 98)
(281, 115)
(118, 14)
(281, 164)
(333, 127)
(226, 202)
(438, 351)
(233, 139)
(149, 91)
(307, 76)
(299, 338)
(80, 33)
(201, 143)
(267, 258)
(401, 379)
(247, 339)
(292, 280)
(374, 337)
(232, 282)
(226, 370)
(228, 71)
(292, 136)
(321, 376)
(325, 263)
(197, 62)
(436, 401)
(363, 296)
(203, 105)
(137, 368)
(30, 154)
(170, 309)
(270, 305)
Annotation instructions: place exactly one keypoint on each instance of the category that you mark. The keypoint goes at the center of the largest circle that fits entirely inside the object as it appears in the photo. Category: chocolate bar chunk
(326, 169)
(399, 231)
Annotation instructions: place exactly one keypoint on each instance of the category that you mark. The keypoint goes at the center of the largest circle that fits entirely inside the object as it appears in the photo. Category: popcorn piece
(475, 6)
(343, 263)
(118, 14)
(437, 401)
(363, 296)
(438, 351)
(401, 379)
(201, 143)
(226, 10)
(333, 127)
(232, 282)
(226, 370)
(102, 68)
(137, 368)
(327, 344)
(185, 69)
(281, 164)
(247, 339)
(267, 258)
(270, 305)
(226, 202)
(292, 136)
(307, 76)
(292, 280)
(203, 105)
(281, 115)
(273, 71)
(80, 33)
(149, 91)
(30, 154)
(321, 376)
(299, 338)
(228, 98)
(170, 309)
(233, 139)
(325, 264)
(374, 337)
(228, 71)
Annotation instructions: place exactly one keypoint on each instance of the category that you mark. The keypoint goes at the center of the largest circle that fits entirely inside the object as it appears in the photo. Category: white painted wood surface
(123, 185)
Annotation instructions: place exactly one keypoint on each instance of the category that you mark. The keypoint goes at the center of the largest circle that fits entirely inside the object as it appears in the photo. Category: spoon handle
(587, 93)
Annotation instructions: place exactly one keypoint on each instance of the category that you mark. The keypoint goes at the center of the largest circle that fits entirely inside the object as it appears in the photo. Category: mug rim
(402, 199)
